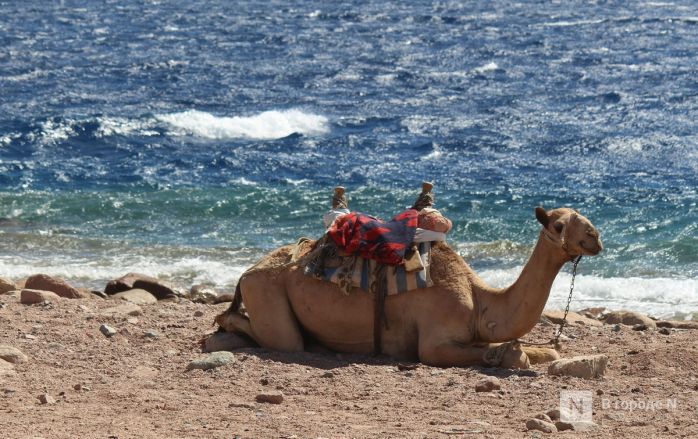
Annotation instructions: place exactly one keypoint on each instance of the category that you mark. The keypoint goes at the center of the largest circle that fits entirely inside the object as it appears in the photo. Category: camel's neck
(512, 312)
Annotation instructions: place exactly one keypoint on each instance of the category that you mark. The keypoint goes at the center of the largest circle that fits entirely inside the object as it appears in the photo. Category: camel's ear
(542, 216)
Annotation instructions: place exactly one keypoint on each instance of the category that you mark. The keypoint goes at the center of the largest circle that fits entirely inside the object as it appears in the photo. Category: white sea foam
(659, 297)
(489, 67)
(267, 125)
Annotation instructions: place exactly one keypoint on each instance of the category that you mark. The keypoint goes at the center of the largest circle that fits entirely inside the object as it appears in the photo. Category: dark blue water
(184, 139)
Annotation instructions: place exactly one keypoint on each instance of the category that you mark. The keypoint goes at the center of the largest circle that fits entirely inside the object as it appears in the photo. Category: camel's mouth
(591, 249)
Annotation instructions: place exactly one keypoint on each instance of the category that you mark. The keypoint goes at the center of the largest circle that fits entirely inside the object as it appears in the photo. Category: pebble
(203, 294)
(151, 333)
(224, 341)
(107, 330)
(587, 367)
(640, 327)
(488, 384)
(137, 296)
(198, 313)
(575, 426)
(46, 399)
(211, 361)
(539, 425)
(6, 368)
(664, 331)
(12, 355)
(272, 397)
(629, 318)
(126, 309)
(554, 414)
(30, 297)
(543, 417)
(6, 285)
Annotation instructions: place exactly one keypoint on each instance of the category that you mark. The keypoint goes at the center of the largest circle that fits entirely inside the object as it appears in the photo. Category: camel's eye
(558, 226)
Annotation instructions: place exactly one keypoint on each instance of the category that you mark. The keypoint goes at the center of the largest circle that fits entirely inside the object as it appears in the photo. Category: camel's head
(571, 230)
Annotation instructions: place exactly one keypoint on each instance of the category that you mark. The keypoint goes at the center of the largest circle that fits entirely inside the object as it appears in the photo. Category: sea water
(186, 139)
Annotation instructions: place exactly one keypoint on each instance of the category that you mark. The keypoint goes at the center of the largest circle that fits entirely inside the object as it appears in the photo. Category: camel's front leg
(454, 354)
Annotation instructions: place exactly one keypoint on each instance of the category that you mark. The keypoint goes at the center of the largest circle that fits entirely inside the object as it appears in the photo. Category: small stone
(328, 374)
(589, 366)
(203, 294)
(576, 426)
(132, 320)
(488, 384)
(664, 331)
(107, 330)
(151, 333)
(224, 341)
(225, 297)
(543, 417)
(56, 285)
(539, 425)
(554, 414)
(629, 318)
(6, 369)
(211, 361)
(271, 397)
(640, 327)
(198, 313)
(616, 328)
(6, 285)
(137, 296)
(78, 387)
(12, 355)
(573, 318)
(46, 399)
(83, 308)
(30, 297)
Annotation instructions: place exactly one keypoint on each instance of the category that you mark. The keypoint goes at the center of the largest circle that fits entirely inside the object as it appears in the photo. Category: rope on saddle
(379, 289)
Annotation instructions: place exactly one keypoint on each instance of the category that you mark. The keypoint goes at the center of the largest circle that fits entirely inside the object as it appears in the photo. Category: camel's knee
(541, 355)
(234, 322)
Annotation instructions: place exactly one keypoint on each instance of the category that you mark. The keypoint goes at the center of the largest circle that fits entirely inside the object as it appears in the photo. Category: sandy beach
(76, 380)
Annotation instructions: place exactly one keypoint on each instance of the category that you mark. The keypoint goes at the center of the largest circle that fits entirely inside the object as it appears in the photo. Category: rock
(203, 294)
(12, 355)
(211, 361)
(127, 309)
(225, 297)
(107, 330)
(576, 426)
(6, 369)
(151, 333)
(677, 324)
(224, 341)
(6, 285)
(587, 367)
(47, 283)
(488, 384)
(29, 297)
(539, 425)
(594, 312)
(573, 318)
(46, 399)
(553, 414)
(137, 296)
(629, 318)
(616, 328)
(664, 331)
(198, 313)
(159, 289)
(271, 397)
(640, 327)
(543, 417)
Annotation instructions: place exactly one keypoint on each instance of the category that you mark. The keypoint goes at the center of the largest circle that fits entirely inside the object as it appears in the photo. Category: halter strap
(562, 241)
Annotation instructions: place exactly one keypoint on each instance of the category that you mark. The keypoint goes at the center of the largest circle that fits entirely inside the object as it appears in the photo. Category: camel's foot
(541, 355)
(513, 356)
(234, 322)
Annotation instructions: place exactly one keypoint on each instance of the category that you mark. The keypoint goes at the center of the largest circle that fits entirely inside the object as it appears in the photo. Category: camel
(460, 321)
